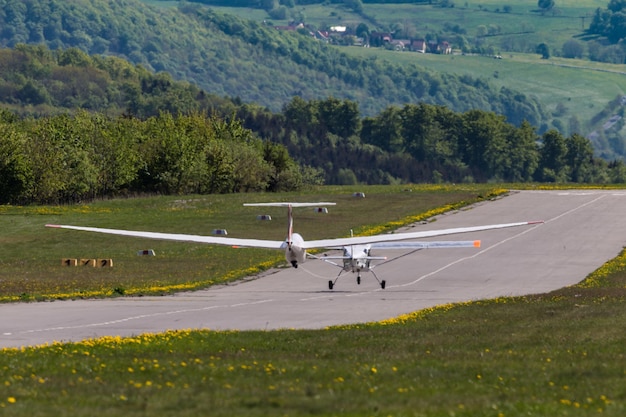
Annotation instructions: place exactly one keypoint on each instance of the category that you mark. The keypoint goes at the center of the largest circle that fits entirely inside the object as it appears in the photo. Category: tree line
(69, 158)
(63, 158)
(427, 143)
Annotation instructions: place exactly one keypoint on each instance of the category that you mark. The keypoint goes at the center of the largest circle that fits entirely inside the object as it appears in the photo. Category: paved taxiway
(582, 230)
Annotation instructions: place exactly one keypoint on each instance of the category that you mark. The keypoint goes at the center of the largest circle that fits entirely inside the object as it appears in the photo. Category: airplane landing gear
(382, 283)
(331, 283)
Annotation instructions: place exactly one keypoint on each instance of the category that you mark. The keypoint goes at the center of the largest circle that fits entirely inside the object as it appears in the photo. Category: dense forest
(228, 56)
(427, 143)
(66, 158)
(35, 81)
(83, 126)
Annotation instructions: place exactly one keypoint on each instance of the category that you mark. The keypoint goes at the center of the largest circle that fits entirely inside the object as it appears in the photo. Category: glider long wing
(280, 244)
(253, 243)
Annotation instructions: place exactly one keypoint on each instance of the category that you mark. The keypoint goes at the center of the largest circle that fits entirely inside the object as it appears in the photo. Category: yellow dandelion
(11, 400)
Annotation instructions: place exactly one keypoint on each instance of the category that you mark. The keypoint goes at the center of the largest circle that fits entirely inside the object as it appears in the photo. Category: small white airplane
(357, 258)
(356, 249)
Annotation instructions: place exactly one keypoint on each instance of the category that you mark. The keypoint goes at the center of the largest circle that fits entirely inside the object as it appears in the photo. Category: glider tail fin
(289, 225)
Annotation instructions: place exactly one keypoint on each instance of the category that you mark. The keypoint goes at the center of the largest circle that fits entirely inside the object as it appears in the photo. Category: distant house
(439, 47)
(400, 44)
(445, 48)
(380, 38)
(340, 29)
(418, 45)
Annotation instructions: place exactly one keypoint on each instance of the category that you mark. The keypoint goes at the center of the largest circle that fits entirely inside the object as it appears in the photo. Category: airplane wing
(392, 237)
(228, 241)
(280, 244)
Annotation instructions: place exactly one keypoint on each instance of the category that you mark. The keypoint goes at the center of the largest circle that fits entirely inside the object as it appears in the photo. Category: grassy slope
(583, 87)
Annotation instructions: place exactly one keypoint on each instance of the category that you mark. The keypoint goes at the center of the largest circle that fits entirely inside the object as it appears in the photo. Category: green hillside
(223, 55)
(579, 94)
(226, 55)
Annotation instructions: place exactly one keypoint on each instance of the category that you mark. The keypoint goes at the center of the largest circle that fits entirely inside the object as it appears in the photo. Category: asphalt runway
(583, 229)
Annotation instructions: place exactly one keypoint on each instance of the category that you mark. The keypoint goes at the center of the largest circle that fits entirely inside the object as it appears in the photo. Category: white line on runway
(142, 316)
(498, 243)
(576, 209)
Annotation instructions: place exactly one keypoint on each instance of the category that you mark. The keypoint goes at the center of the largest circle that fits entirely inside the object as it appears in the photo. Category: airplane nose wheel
(331, 284)
(358, 279)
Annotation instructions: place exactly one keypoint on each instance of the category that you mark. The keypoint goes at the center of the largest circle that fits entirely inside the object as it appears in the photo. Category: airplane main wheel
(358, 280)
(330, 285)
(382, 284)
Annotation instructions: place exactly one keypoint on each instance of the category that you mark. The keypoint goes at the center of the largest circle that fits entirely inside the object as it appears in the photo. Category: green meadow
(556, 354)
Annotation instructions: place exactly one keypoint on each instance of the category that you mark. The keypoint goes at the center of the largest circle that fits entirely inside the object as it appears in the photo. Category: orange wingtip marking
(477, 243)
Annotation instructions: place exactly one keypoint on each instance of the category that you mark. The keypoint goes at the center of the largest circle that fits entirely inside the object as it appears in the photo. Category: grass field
(31, 260)
(558, 354)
